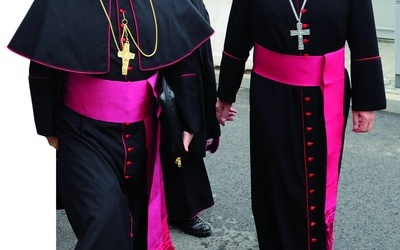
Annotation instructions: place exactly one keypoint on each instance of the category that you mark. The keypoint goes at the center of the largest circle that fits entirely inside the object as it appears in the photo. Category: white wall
(385, 18)
(219, 12)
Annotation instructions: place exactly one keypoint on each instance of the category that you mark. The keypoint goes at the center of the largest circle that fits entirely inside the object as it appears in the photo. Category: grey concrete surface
(368, 212)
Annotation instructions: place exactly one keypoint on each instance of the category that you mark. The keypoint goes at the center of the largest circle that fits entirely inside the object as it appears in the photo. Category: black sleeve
(45, 86)
(368, 91)
(185, 80)
(237, 46)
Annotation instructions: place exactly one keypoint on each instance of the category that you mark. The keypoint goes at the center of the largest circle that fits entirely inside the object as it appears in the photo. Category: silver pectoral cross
(125, 56)
(300, 33)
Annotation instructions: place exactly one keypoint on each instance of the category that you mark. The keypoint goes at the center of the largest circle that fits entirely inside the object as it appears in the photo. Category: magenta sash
(110, 101)
(328, 72)
(120, 102)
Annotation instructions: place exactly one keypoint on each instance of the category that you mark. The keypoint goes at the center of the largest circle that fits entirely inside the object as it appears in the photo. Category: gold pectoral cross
(125, 56)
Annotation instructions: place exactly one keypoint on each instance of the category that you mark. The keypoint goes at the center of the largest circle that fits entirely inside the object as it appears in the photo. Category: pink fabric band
(110, 101)
(299, 70)
(328, 72)
(120, 102)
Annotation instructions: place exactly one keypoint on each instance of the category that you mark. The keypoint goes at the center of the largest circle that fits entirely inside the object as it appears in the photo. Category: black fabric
(284, 118)
(188, 188)
(63, 36)
(170, 120)
(90, 177)
(74, 35)
(368, 74)
(268, 23)
(46, 84)
(277, 164)
(195, 99)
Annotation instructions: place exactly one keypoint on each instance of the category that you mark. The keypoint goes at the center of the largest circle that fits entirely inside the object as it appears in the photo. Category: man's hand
(224, 112)
(212, 145)
(363, 121)
(53, 141)
(187, 138)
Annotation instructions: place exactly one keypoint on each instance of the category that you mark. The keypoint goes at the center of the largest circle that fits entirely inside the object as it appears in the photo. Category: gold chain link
(129, 32)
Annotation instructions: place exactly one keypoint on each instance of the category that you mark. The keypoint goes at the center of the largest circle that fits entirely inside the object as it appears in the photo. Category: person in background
(187, 187)
(93, 74)
(300, 96)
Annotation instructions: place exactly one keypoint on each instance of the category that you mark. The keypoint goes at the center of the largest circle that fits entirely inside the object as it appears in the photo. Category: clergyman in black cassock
(93, 74)
(187, 187)
(300, 96)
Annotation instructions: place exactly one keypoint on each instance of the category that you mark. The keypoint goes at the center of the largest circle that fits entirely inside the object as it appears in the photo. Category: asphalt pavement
(368, 211)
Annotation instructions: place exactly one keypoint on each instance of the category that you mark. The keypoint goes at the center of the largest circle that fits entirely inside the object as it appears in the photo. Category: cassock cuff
(230, 80)
(368, 89)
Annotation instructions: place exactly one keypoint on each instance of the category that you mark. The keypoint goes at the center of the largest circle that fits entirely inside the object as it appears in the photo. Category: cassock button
(309, 129)
(308, 113)
(130, 68)
(130, 149)
(306, 40)
(127, 136)
(307, 99)
(312, 191)
(128, 163)
(313, 240)
(127, 124)
(312, 208)
(127, 177)
(313, 224)
(310, 159)
(311, 175)
(303, 11)
(122, 11)
(310, 143)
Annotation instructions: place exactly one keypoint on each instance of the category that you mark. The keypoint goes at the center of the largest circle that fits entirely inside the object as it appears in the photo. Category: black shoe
(195, 227)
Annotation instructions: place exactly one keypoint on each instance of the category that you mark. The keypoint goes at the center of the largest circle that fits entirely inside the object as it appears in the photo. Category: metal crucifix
(300, 33)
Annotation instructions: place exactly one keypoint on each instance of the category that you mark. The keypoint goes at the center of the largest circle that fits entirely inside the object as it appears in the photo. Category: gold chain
(125, 22)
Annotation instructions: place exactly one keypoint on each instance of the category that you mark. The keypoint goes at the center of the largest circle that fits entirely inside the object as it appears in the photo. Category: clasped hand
(363, 121)
(224, 112)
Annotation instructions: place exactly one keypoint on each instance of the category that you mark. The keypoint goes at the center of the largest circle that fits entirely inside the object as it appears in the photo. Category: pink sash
(328, 72)
(120, 102)
(109, 101)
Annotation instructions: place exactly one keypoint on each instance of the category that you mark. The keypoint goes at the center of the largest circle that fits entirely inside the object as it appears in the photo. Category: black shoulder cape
(75, 36)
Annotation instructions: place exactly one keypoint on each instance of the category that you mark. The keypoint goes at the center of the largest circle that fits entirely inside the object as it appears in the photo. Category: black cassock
(187, 188)
(102, 166)
(287, 128)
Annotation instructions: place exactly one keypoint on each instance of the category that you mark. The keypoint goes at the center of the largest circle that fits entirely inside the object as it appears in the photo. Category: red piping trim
(188, 75)
(131, 230)
(59, 68)
(367, 58)
(234, 57)
(177, 60)
(305, 169)
(124, 145)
